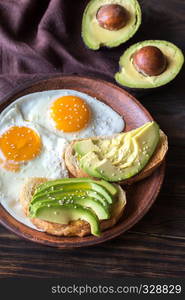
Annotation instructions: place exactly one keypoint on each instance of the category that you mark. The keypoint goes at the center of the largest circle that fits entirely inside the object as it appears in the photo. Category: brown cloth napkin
(40, 37)
(43, 37)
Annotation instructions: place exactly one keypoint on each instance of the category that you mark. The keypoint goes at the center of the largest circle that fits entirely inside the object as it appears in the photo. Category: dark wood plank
(131, 254)
(166, 217)
(168, 107)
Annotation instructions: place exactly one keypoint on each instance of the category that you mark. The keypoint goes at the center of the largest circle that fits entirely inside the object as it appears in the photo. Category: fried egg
(71, 114)
(26, 150)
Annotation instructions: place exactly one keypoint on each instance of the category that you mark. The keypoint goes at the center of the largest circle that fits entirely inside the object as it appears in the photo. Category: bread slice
(75, 228)
(153, 164)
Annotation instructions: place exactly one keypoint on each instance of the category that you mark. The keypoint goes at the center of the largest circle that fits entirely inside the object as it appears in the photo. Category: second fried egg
(71, 114)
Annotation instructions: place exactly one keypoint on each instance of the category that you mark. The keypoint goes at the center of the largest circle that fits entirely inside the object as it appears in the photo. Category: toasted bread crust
(155, 161)
(27, 192)
(75, 228)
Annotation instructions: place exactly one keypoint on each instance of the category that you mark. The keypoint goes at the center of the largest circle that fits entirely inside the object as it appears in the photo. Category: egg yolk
(70, 113)
(18, 144)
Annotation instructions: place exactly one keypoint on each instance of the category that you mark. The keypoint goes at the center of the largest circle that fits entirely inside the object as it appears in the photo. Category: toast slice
(75, 228)
(155, 161)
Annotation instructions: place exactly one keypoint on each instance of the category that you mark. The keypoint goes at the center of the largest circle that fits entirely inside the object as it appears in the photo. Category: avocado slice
(95, 36)
(52, 184)
(142, 144)
(91, 161)
(77, 185)
(129, 76)
(127, 153)
(120, 149)
(112, 189)
(83, 150)
(109, 147)
(87, 163)
(100, 210)
(69, 195)
(63, 214)
(145, 144)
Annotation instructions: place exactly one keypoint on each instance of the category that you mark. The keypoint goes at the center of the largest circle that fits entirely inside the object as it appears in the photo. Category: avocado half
(94, 36)
(128, 76)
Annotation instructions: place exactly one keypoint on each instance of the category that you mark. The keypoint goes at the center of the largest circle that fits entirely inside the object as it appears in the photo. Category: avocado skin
(138, 92)
(141, 92)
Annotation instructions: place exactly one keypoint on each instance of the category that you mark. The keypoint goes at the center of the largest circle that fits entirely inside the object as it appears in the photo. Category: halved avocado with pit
(149, 64)
(110, 22)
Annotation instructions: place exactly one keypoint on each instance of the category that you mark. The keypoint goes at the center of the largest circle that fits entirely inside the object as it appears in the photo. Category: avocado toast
(48, 205)
(134, 167)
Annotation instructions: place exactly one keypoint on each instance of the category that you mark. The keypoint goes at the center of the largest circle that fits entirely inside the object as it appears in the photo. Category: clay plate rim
(155, 181)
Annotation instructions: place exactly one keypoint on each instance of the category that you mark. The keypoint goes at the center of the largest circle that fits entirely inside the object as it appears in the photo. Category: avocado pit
(112, 16)
(150, 61)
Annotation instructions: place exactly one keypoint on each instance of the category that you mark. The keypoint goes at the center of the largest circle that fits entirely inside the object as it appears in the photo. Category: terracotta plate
(140, 196)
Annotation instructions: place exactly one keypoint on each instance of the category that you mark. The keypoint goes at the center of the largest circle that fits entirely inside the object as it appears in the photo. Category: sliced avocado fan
(132, 151)
(95, 36)
(64, 200)
(129, 76)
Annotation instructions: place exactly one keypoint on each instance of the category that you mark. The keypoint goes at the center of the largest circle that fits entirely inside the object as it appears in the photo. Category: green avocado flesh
(120, 157)
(64, 200)
(61, 195)
(94, 36)
(79, 186)
(101, 211)
(111, 189)
(128, 75)
(63, 214)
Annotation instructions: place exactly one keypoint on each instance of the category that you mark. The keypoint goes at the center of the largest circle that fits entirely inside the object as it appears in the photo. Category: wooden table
(155, 247)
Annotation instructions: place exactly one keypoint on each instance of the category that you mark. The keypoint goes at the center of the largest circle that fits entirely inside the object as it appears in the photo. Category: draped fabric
(43, 37)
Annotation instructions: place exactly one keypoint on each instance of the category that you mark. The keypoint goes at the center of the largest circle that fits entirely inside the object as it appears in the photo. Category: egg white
(49, 163)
